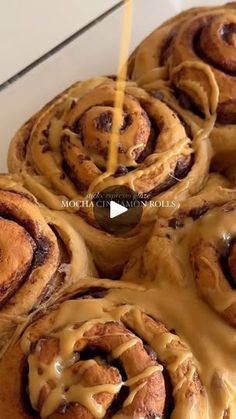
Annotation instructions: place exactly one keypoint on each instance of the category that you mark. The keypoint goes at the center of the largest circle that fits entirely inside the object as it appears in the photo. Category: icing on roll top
(95, 128)
(220, 32)
(147, 132)
(80, 363)
(95, 356)
(208, 39)
(71, 150)
(194, 57)
(208, 244)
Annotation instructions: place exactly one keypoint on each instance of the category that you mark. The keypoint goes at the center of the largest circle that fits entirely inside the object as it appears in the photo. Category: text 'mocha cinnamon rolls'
(40, 253)
(191, 59)
(62, 153)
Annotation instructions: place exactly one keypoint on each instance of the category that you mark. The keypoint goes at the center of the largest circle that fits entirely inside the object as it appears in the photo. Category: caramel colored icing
(190, 62)
(67, 152)
(63, 156)
(200, 365)
(69, 149)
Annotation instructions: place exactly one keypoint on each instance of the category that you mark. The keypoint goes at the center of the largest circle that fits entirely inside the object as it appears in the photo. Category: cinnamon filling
(228, 263)
(95, 292)
(215, 58)
(94, 130)
(25, 250)
(104, 122)
(101, 375)
(228, 33)
(17, 250)
(218, 59)
(182, 169)
(196, 213)
(166, 49)
(186, 102)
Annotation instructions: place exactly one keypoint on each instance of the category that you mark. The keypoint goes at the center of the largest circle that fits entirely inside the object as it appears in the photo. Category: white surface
(94, 52)
(183, 4)
(29, 29)
(116, 209)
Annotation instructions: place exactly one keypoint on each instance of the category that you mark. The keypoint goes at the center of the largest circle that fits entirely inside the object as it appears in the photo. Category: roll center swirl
(95, 128)
(93, 364)
(217, 43)
(16, 255)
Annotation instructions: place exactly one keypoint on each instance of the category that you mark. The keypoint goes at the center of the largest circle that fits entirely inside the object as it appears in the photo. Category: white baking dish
(95, 51)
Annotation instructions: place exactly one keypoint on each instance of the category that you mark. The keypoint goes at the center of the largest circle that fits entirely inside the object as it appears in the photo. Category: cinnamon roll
(39, 254)
(98, 355)
(63, 151)
(190, 60)
(196, 249)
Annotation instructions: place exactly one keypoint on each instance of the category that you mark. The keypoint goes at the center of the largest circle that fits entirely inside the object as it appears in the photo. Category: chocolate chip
(166, 49)
(227, 30)
(185, 101)
(43, 248)
(40, 371)
(43, 141)
(62, 176)
(117, 402)
(46, 148)
(121, 148)
(21, 149)
(66, 138)
(176, 223)
(121, 171)
(73, 103)
(196, 213)
(127, 121)
(96, 292)
(183, 167)
(226, 414)
(62, 408)
(226, 113)
(152, 415)
(77, 128)
(103, 122)
(152, 354)
(157, 95)
(82, 158)
(46, 132)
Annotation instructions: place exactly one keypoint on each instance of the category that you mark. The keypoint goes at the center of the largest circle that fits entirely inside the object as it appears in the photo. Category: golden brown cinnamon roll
(63, 151)
(191, 59)
(39, 254)
(98, 355)
(196, 249)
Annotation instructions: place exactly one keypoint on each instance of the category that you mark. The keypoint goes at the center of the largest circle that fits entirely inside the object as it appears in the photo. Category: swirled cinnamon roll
(94, 356)
(191, 60)
(63, 152)
(196, 249)
(39, 254)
